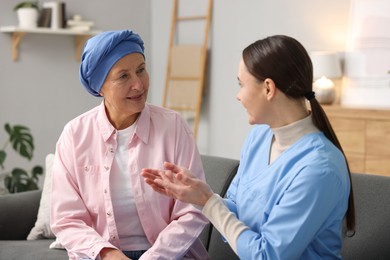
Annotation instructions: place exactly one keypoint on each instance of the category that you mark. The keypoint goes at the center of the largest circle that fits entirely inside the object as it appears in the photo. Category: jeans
(134, 255)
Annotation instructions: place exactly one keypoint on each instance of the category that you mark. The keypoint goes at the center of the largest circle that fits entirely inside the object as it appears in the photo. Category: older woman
(101, 207)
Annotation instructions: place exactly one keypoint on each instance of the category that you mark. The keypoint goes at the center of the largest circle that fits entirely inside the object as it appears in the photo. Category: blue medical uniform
(294, 206)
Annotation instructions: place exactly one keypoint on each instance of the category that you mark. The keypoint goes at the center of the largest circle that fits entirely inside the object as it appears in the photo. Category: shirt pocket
(90, 187)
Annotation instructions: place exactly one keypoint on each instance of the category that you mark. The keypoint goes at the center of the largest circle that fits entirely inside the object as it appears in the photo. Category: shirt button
(108, 214)
(86, 168)
(111, 150)
(105, 190)
(106, 167)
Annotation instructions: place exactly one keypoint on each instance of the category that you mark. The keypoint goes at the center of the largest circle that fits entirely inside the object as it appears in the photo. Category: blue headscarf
(101, 52)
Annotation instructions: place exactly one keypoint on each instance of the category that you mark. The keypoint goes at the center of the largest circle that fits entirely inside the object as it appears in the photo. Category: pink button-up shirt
(82, 215)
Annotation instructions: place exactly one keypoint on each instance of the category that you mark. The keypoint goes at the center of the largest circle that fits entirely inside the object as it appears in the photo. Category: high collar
(287, 135)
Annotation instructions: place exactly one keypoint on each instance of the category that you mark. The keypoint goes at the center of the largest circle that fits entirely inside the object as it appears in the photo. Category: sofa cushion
(372, 200)
(30, 249)
(18, 214)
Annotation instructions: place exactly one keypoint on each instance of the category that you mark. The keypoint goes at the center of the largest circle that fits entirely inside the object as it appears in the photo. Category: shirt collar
(141, 130)
(143, 126)
(104, 124)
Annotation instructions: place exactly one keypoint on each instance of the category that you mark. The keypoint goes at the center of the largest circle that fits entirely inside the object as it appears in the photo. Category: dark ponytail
(321, 121)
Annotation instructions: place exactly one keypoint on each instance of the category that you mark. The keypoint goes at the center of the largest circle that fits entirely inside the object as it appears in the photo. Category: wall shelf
(18, 34)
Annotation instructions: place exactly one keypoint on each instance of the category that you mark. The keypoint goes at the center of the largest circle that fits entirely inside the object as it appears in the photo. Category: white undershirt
(130, 231)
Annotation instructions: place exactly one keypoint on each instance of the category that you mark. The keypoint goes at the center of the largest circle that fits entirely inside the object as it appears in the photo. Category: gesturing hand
(179, 183)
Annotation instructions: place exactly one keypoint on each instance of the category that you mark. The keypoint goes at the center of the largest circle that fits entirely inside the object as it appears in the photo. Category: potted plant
(27, 13)
(19, 180)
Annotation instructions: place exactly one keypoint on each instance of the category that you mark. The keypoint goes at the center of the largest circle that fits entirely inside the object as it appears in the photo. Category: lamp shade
(325, 64)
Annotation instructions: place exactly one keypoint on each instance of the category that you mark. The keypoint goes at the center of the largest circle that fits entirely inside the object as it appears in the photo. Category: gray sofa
(18, 213)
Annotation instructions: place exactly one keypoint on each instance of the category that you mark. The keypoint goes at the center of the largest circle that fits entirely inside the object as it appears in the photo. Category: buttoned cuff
(94, 252)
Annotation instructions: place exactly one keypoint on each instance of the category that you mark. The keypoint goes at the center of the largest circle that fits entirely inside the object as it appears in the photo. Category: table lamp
(326, 66)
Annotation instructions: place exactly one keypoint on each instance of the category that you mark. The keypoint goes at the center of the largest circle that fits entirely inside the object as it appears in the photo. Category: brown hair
(284, 60)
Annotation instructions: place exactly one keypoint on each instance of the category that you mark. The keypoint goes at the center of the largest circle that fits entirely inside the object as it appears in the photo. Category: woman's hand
(112, 253)
(179, 183)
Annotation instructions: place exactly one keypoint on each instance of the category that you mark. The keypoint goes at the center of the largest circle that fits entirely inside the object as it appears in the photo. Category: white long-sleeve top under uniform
(286, 204)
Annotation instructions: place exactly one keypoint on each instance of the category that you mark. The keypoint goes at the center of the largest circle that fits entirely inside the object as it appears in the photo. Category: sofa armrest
(219, 172)
(18, 213)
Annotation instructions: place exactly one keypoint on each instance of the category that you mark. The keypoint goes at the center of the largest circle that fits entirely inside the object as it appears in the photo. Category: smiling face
(125, 90)
(252, 95)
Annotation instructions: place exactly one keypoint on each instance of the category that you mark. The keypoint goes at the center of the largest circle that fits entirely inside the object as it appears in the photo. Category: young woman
(293, 187)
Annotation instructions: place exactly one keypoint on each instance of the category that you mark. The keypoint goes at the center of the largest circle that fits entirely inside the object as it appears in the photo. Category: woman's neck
(119, 121)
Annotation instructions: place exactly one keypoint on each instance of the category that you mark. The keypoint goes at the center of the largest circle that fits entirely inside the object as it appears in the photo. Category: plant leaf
(8, 183)
(37, 170)
(8, 129)
(21, 139)
(17, 181)
(3, 155)
(18, 174)
(31, 185)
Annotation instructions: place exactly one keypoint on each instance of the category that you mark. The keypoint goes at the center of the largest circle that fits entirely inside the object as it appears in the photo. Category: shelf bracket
(79, 45)
(17, 35)
(16, 39)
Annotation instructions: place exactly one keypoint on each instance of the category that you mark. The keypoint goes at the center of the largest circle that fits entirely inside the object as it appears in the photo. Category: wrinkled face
(251, 95)
(126, 87)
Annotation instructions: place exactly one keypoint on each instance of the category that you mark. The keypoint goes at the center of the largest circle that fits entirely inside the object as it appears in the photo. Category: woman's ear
(270, 88)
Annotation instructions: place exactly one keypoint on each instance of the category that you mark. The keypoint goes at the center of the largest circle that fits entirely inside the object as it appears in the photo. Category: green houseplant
(27, 12)
(22, 142)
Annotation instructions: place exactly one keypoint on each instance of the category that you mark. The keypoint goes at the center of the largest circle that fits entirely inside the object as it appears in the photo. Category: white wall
(42, 89)
(319, 25)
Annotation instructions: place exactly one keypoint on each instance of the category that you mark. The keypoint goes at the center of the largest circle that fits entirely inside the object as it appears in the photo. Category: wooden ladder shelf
(186, 68)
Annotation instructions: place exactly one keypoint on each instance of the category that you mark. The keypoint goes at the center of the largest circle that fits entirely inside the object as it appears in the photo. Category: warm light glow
(324, 83)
